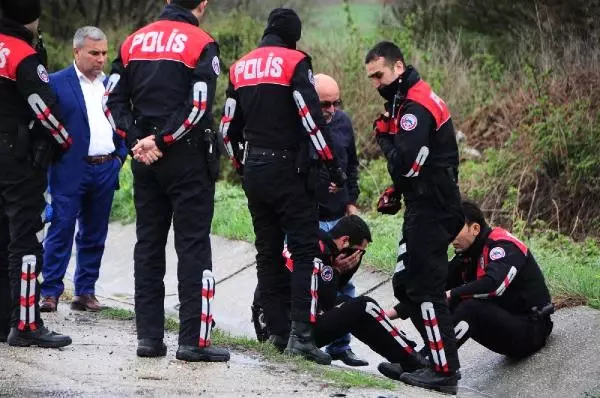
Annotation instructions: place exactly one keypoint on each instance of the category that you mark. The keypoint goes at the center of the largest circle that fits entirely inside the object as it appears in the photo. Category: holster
(212, 154)
(539, 313)
(308, 164)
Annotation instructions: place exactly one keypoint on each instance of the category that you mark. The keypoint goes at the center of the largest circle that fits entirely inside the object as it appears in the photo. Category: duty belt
(271, 152)
(99, 159)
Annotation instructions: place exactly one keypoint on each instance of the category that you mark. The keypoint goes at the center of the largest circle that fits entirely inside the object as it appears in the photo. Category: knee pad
(206, 318)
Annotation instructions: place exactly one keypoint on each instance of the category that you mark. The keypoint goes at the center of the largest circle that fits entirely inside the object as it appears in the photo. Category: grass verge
(340, 378)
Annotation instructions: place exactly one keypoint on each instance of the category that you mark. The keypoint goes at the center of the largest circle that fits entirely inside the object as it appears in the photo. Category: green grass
(117, 313)
(329, 20)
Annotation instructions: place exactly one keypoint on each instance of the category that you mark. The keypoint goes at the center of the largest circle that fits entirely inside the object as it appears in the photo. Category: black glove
(337, 176)
(389, 201)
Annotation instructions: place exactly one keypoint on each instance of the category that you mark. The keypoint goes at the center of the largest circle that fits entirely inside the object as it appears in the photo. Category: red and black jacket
(25, 92)
(423, 138)
(164, 76)
(272, 103)
(498, 267)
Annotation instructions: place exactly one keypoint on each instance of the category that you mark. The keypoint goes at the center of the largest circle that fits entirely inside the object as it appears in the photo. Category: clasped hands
(146, 151)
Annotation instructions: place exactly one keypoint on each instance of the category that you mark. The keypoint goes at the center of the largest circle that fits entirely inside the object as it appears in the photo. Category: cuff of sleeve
(160, 143)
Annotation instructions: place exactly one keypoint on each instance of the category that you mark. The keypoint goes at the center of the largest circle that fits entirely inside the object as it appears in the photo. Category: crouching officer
(160, 96)
(497, 290)
(273, 106)
(417, 137)
(26, 149)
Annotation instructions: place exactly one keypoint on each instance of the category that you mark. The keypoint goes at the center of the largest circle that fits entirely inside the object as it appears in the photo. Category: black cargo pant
(365, 320)
(507, 333)
(21, 231)
(177, 187)
(432, 219)
(281, 204)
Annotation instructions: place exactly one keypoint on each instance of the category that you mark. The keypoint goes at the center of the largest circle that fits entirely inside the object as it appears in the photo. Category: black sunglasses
(329, 104)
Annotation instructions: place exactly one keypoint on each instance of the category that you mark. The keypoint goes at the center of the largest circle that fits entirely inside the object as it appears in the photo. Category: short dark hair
(473, 213)
(354, 227)
(386, 49)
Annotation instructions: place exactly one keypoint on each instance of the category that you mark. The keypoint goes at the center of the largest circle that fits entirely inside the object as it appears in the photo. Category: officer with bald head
(335, 203)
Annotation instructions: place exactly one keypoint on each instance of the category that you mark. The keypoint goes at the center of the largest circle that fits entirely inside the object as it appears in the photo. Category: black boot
(410, 364)
(302, 343)
(211, 353)
(151, 348)
(349, 358)
(42, 337)
(427, 378)
(391, 370)
(279, 342)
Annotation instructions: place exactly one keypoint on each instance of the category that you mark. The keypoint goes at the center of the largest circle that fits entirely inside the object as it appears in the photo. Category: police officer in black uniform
(417, 137)
(342, 250)
(26, 151)
(497, 290)
(160, 96)
(273, 108)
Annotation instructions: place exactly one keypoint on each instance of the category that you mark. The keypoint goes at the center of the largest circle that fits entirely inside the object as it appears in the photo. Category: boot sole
(24, 343)
(450, 390)
(203, 358)
(81, 307)
(150, 353)
(308, 357)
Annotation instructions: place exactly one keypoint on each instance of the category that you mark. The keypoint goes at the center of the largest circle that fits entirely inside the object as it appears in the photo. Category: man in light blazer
(83, 183)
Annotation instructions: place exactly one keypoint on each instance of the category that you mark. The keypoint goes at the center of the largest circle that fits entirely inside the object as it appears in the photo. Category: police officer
(342, 249)
(160, 95)
(497, 290)
(272, 105)
(417, 137)
(26, 150)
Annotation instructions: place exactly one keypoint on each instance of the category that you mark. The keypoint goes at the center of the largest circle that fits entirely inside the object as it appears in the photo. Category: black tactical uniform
(499, 296)
(420, 147)
(272, 105)
(163, 83)
(26, 150)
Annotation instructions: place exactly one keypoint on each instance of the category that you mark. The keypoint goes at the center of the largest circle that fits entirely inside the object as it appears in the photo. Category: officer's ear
(475, 229)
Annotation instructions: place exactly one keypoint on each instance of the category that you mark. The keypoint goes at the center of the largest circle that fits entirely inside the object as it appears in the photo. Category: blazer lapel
(76, 86)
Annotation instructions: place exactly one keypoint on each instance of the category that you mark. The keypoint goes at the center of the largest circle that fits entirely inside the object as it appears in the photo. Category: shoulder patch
(43, 73)
(216, 65)
(497, 253)
(327, 273)
(408, 122)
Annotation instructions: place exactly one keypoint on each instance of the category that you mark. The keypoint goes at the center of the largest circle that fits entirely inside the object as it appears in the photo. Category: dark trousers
(90, 207)
(21, 231)
(280, 203)
(507, 333)
(176, 187)
(365, 320)
(432, 219)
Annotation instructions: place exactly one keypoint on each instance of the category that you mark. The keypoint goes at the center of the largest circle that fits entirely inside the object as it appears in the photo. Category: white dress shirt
(101, 132)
